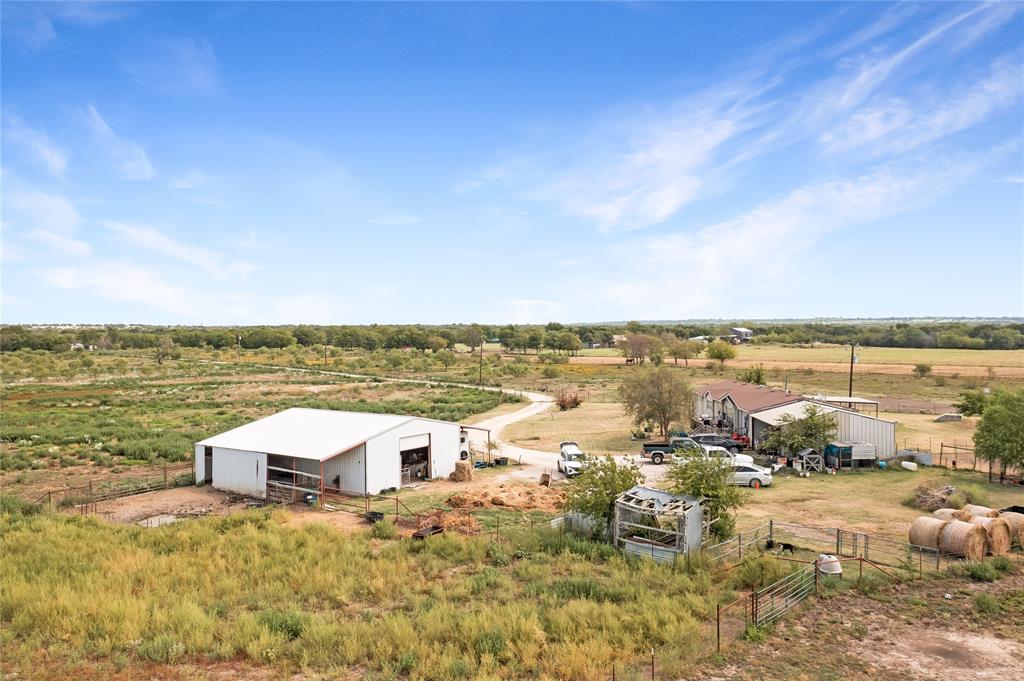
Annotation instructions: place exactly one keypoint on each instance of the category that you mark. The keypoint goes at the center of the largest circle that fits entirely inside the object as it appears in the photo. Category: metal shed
(296, 453)
(657, 524)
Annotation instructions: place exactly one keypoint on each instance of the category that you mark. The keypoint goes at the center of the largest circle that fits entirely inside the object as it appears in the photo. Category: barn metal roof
(797, 410)
(315, 434)
(748, 396)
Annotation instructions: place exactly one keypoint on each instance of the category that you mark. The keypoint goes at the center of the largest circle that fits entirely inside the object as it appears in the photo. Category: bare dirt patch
(179, 502)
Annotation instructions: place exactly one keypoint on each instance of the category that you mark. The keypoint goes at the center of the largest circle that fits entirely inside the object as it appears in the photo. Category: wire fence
(87, 496)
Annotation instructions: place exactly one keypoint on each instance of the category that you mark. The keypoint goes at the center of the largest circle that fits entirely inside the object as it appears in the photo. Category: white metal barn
(298, 452)
(851, 425)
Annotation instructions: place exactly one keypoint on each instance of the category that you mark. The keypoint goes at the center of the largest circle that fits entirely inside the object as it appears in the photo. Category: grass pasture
(248, 588)
(599, 427)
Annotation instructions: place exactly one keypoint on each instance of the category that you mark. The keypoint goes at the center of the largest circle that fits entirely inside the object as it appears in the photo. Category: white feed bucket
(829, 565)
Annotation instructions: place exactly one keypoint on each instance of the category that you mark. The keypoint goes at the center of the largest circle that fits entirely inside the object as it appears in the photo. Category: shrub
(975, 494)
(1002, 564)
(987, 604)
(757, 571)
(550, 371)
(490, 643)
(287, 623)
(384, 529)
(12, 505)
(163, 648)
(981, 572)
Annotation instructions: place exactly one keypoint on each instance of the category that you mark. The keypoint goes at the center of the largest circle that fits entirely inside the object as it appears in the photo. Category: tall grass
(309, 598)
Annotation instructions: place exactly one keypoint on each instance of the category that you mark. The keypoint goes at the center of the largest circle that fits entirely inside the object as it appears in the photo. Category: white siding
(413, 442)
(239, 471)
(382, 452)
(348, 468)
(200, 464)
(854, 427)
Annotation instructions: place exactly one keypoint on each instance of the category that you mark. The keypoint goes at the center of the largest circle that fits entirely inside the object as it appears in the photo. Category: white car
(570, 458)
(750, 475)
(723, 453)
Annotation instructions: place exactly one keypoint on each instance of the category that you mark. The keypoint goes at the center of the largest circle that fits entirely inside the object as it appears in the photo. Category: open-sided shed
(300, 452)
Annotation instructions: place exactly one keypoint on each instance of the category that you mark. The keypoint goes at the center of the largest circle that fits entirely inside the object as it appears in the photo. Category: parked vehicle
(658, 451)
(570, 458)
(750, 475)
(725, 454)
(713, 440)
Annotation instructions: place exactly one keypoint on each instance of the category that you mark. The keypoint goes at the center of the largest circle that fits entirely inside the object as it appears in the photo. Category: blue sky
(344, 163)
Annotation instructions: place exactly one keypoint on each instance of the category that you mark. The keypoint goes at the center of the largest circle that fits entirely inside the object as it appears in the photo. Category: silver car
(750, 475)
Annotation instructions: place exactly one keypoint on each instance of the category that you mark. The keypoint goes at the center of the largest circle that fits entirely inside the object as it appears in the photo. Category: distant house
(732, 403)
(83, 346)
(741, 334)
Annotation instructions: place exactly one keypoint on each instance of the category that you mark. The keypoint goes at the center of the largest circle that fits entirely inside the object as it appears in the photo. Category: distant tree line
(560, 338)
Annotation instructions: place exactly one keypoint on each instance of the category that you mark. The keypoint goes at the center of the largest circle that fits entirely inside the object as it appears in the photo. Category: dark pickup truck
(657, 451)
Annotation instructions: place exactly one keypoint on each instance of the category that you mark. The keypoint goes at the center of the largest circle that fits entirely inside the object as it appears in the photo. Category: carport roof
(795, 409)
(315, 434)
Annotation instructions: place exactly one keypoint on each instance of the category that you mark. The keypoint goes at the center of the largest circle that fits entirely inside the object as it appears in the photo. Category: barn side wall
(239, 471)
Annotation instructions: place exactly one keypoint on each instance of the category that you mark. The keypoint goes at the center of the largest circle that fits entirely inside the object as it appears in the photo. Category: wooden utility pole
(480, 375)
(852, 357)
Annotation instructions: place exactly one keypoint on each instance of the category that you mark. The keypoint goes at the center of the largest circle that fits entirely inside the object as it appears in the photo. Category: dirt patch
(518, 497)
(458, 520)
(182, 502)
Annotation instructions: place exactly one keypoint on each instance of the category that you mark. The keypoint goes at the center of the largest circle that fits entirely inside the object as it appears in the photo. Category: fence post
(839, 543)
(652, 664)
(718, 627)
(867, 545)
(816, 589)
(771, 530)
(739, 539)
(165, 475)
(860, 563)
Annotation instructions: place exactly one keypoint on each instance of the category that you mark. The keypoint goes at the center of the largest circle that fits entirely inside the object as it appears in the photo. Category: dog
(783, 546)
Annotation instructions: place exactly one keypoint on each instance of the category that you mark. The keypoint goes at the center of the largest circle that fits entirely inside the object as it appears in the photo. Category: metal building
(852, 426)
(297, 453)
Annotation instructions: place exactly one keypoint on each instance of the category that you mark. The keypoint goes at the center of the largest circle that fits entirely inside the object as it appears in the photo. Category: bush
(384, 529)
(974, 494)
(981, 572)
(987, 604)
(1002, 564)
(287, 623)
(163, 648)
(12, 505)
(758, 571)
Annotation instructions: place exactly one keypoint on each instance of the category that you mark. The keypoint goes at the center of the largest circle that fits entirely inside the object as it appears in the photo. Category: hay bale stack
(463, 471)
(963, 539)
(951, 514)
(1016, 521)
(926, 530)
(981, 511)
(997, 531)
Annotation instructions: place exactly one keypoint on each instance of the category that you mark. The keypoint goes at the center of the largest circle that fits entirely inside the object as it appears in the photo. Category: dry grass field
(871, 501)
(599, 427)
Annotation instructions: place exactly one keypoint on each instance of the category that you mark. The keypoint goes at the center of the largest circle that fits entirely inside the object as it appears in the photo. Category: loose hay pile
(963, 539)
(523, 497)
(997, 532)
(981, 511)
(931, 499)
(926, 531)
(457, 521)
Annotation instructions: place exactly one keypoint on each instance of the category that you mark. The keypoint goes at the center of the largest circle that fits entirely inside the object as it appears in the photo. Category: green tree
(599, 483)
(972, 402)
(720, 351)
(446, 358)
(756, 375)
(473, 336)
(684, 350)
(308, 335)
(709, 478)
(436, 343)
(659, 395)
(166, 349)
(814, 429)
(922, 370)
(1000, 433)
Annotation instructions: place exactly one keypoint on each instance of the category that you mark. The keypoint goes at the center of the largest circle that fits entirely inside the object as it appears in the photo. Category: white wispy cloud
(27, 208)
(175, 66)
(394, 220)
(124, 282)
(772, 237)
(38, 144)
(129, 158)
(60, 243)
(152, 239)
(35, 23)
(191, 179)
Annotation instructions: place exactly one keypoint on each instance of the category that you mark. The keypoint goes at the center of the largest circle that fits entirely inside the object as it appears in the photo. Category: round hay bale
(926, 530)
(1016, 521)
(963, 539)
(946, 514)
(981, 511)
(998, 531)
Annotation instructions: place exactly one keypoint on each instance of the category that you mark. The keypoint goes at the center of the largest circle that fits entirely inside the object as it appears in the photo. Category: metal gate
(774, 600)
